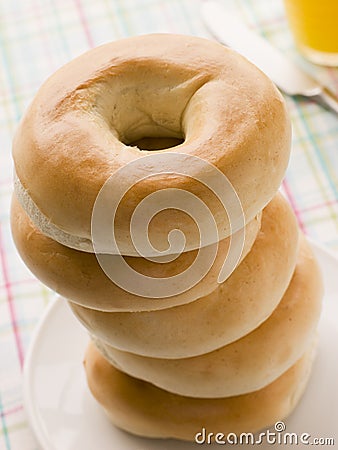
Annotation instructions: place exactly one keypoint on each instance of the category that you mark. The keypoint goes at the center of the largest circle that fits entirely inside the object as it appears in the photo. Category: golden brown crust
(143, 409)
(232, 310)
(78, 276)
(71, 139)
(249, 363)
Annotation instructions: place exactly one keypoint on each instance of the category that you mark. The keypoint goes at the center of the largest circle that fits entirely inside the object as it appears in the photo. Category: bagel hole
(156, 143)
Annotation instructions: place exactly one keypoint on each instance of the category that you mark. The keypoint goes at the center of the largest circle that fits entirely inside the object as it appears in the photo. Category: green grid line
(302, 116)
(4, 430)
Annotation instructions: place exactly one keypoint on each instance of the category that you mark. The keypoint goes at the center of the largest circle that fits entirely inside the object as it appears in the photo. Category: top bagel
(82, 126)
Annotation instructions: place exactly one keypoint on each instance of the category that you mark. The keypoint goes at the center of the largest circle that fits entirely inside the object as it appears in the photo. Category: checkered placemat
(36, 37)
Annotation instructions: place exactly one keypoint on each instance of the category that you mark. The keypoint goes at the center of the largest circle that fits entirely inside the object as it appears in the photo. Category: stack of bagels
(230, 356)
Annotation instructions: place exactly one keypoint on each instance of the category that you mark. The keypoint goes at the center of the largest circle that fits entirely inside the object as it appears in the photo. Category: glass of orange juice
(314, 24)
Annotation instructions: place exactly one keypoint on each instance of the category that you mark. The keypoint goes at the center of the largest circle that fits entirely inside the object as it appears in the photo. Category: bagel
(80, 130)
(249, 363)
(143, 409)
(78, 276)
(232, 310)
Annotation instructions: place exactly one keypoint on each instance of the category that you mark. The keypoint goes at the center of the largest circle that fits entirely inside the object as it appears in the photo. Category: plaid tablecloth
(36, 37)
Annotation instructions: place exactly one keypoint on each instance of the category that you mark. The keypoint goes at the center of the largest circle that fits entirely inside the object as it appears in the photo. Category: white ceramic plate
(64, 416)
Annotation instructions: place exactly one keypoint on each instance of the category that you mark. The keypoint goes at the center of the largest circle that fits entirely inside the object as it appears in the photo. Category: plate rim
(27, 385)
(30, 408)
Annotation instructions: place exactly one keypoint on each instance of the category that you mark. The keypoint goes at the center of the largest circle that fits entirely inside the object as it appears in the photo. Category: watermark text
(277, 436)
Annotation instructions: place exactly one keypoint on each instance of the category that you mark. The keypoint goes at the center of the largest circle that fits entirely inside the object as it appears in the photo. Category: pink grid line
(84, 23)
(8, 412)
(294, 206)
(20, 282)
(10, 300)
(319, 206)
(38, 15)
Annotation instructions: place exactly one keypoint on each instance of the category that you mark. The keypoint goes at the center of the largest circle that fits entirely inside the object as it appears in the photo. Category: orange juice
(314, 24)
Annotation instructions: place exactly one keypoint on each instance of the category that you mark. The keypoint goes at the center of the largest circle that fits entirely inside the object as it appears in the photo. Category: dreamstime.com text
(278, 436)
